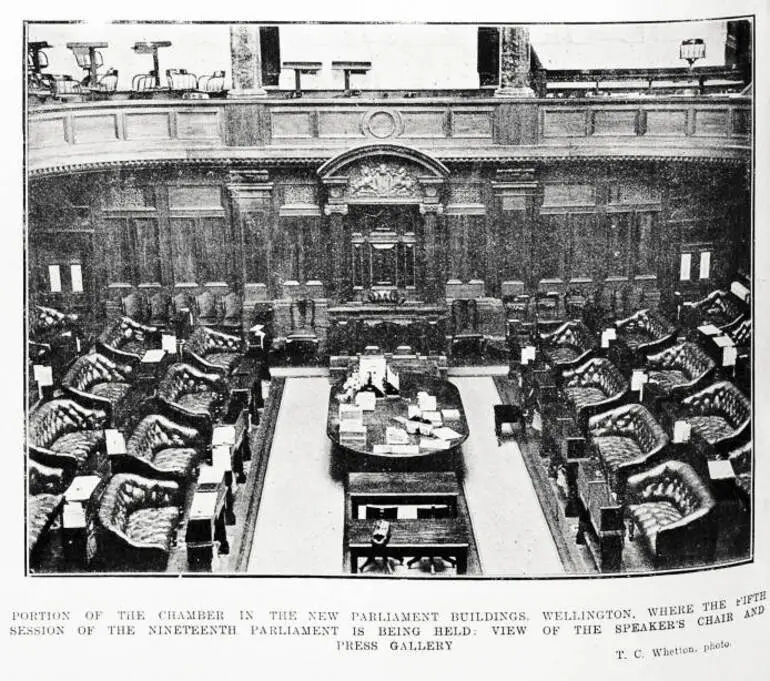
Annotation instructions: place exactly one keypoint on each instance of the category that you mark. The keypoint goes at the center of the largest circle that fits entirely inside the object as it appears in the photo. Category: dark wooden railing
(663, 81)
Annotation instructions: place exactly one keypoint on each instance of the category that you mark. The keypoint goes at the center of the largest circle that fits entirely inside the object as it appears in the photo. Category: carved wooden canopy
(383, 173)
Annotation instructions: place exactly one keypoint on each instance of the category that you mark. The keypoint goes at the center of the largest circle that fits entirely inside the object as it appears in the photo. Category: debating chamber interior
(408, 301)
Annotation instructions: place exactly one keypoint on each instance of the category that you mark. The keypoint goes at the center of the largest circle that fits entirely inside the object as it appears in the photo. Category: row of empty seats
(165, 410)
(649, 409)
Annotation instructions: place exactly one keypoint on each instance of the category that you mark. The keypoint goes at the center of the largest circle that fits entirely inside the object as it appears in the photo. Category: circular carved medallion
(382, 123)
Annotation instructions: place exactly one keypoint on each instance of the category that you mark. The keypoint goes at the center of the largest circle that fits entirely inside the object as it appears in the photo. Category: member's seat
(626, 439)
(135, 523)
(679, 369)
(671, 509)
(214, 351)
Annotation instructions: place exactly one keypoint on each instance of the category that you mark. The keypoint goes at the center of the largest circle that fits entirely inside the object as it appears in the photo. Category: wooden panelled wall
(580, 225)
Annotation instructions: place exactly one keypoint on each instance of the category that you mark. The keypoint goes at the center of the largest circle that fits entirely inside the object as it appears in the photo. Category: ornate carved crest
(127, 195)
(385, 296)
(382, 179)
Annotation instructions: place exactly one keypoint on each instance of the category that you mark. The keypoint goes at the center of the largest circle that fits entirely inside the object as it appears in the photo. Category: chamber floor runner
(511, 532)
(301, 518)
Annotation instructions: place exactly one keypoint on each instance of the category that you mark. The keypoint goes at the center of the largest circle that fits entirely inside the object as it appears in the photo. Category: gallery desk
(394, 489)
(410, 538)
(363, 458)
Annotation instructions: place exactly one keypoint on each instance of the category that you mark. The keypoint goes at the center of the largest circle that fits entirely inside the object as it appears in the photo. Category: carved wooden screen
(384, 246)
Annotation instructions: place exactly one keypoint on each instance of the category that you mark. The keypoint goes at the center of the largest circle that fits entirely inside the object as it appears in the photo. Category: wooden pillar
(252, 204)
(336, 209)
(431, 208)
(514, 63)
(246, 60)
(336, 214)
(515, 193)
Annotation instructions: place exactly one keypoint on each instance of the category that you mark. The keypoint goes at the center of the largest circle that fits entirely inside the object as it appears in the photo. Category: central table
(446, 538)
(364, 458)
(403, 489)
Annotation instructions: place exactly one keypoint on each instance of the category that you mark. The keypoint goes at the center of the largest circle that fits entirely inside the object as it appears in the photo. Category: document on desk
(436, 444)
(446, 433)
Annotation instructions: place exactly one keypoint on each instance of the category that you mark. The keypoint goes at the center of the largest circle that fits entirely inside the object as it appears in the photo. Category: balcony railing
(653, 82)
(547, 84)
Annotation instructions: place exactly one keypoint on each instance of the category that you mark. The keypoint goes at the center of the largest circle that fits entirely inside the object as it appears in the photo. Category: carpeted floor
(511, 532)
(301, 518)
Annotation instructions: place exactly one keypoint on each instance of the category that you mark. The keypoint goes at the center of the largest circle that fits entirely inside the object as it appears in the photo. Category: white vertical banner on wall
(685, 267)
(76, 274)
(705, 265)
(54, 277)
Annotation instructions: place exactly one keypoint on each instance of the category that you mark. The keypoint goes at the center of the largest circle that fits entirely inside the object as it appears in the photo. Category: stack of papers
(708, 330)
(396, 436)
(446, 433)
(433, 416)
(434, 444)
(408, 450)
(352, 413)
(426, 402)
(352, 433)
(417, 427)
(450, 414)
(366, 400)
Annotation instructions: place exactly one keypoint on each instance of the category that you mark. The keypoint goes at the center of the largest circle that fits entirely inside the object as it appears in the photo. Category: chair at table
(440, 512)
(208, 309)
(213, 84)
(212, 350)
(66, 85)
(672, 511)
(720, 308)
(179, 80)
(436, 512)
(575, 303)
(302, 340)
(381, 512)
(160, 310)
(380, 539)
(126, 340)
(232, 308)
(182, 313)
(467, 341)
(509, 413)
(136, 306)
(547, 312)
(107, 83)
(143, 82)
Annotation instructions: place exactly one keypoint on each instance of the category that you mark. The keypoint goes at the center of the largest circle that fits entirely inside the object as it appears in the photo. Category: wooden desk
(600, 517)
(206, 524)
(74, 521)
(402, 489)
(151, 367)
(409, 538)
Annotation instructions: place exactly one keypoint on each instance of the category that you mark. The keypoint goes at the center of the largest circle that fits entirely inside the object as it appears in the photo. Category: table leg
(462, 561)
(220, 533)
(229, 500)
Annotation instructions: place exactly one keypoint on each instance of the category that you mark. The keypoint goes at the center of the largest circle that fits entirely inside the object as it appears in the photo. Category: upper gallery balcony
(273, 102)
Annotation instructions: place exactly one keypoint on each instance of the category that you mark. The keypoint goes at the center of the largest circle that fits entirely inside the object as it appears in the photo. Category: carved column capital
(515, 187)
(336, 209)
(250, 189)
(431, 209)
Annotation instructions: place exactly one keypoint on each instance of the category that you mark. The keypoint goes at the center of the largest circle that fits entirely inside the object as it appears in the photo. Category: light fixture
(691, 50)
